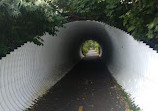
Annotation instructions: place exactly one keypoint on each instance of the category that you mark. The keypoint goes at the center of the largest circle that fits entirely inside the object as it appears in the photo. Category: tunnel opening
(91, 48)
(121, 56)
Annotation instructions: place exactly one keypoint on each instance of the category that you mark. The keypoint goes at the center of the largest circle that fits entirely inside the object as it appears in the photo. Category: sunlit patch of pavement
(92, 53)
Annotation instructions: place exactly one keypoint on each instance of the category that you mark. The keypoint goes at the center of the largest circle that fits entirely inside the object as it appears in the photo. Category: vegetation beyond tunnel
(90, 44)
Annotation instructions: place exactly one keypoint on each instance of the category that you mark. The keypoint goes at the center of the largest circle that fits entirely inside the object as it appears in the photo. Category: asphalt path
(87, 87)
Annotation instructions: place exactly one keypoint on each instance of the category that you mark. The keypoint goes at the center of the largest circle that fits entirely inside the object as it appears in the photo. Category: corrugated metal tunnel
(29, 71)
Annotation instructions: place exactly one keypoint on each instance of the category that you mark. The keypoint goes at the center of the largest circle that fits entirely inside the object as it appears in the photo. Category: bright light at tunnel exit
(91, 45)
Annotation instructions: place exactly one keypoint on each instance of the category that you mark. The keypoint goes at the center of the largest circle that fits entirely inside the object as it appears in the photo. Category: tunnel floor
(87, 87)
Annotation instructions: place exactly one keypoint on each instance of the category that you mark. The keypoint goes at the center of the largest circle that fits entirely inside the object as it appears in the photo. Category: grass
(126, 98)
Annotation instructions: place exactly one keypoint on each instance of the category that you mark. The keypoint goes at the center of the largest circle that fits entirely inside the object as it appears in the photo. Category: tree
(138, 17)
(26, 20)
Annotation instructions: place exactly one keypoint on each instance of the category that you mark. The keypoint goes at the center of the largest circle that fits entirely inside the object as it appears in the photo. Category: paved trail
(92, 53)
(87, 87)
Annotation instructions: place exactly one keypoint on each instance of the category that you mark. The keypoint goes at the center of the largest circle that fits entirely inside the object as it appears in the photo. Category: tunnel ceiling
(127, 59)
(29, 71)
(79, 32)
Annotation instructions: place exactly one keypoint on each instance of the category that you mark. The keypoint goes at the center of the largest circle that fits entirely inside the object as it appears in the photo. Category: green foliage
(138, 17)
(90, 44)
(26, 20)
(142, 21)
(108, 11)
(80, 9)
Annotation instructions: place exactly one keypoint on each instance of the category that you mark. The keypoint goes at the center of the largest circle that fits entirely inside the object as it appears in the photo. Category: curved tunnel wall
(29, 71)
